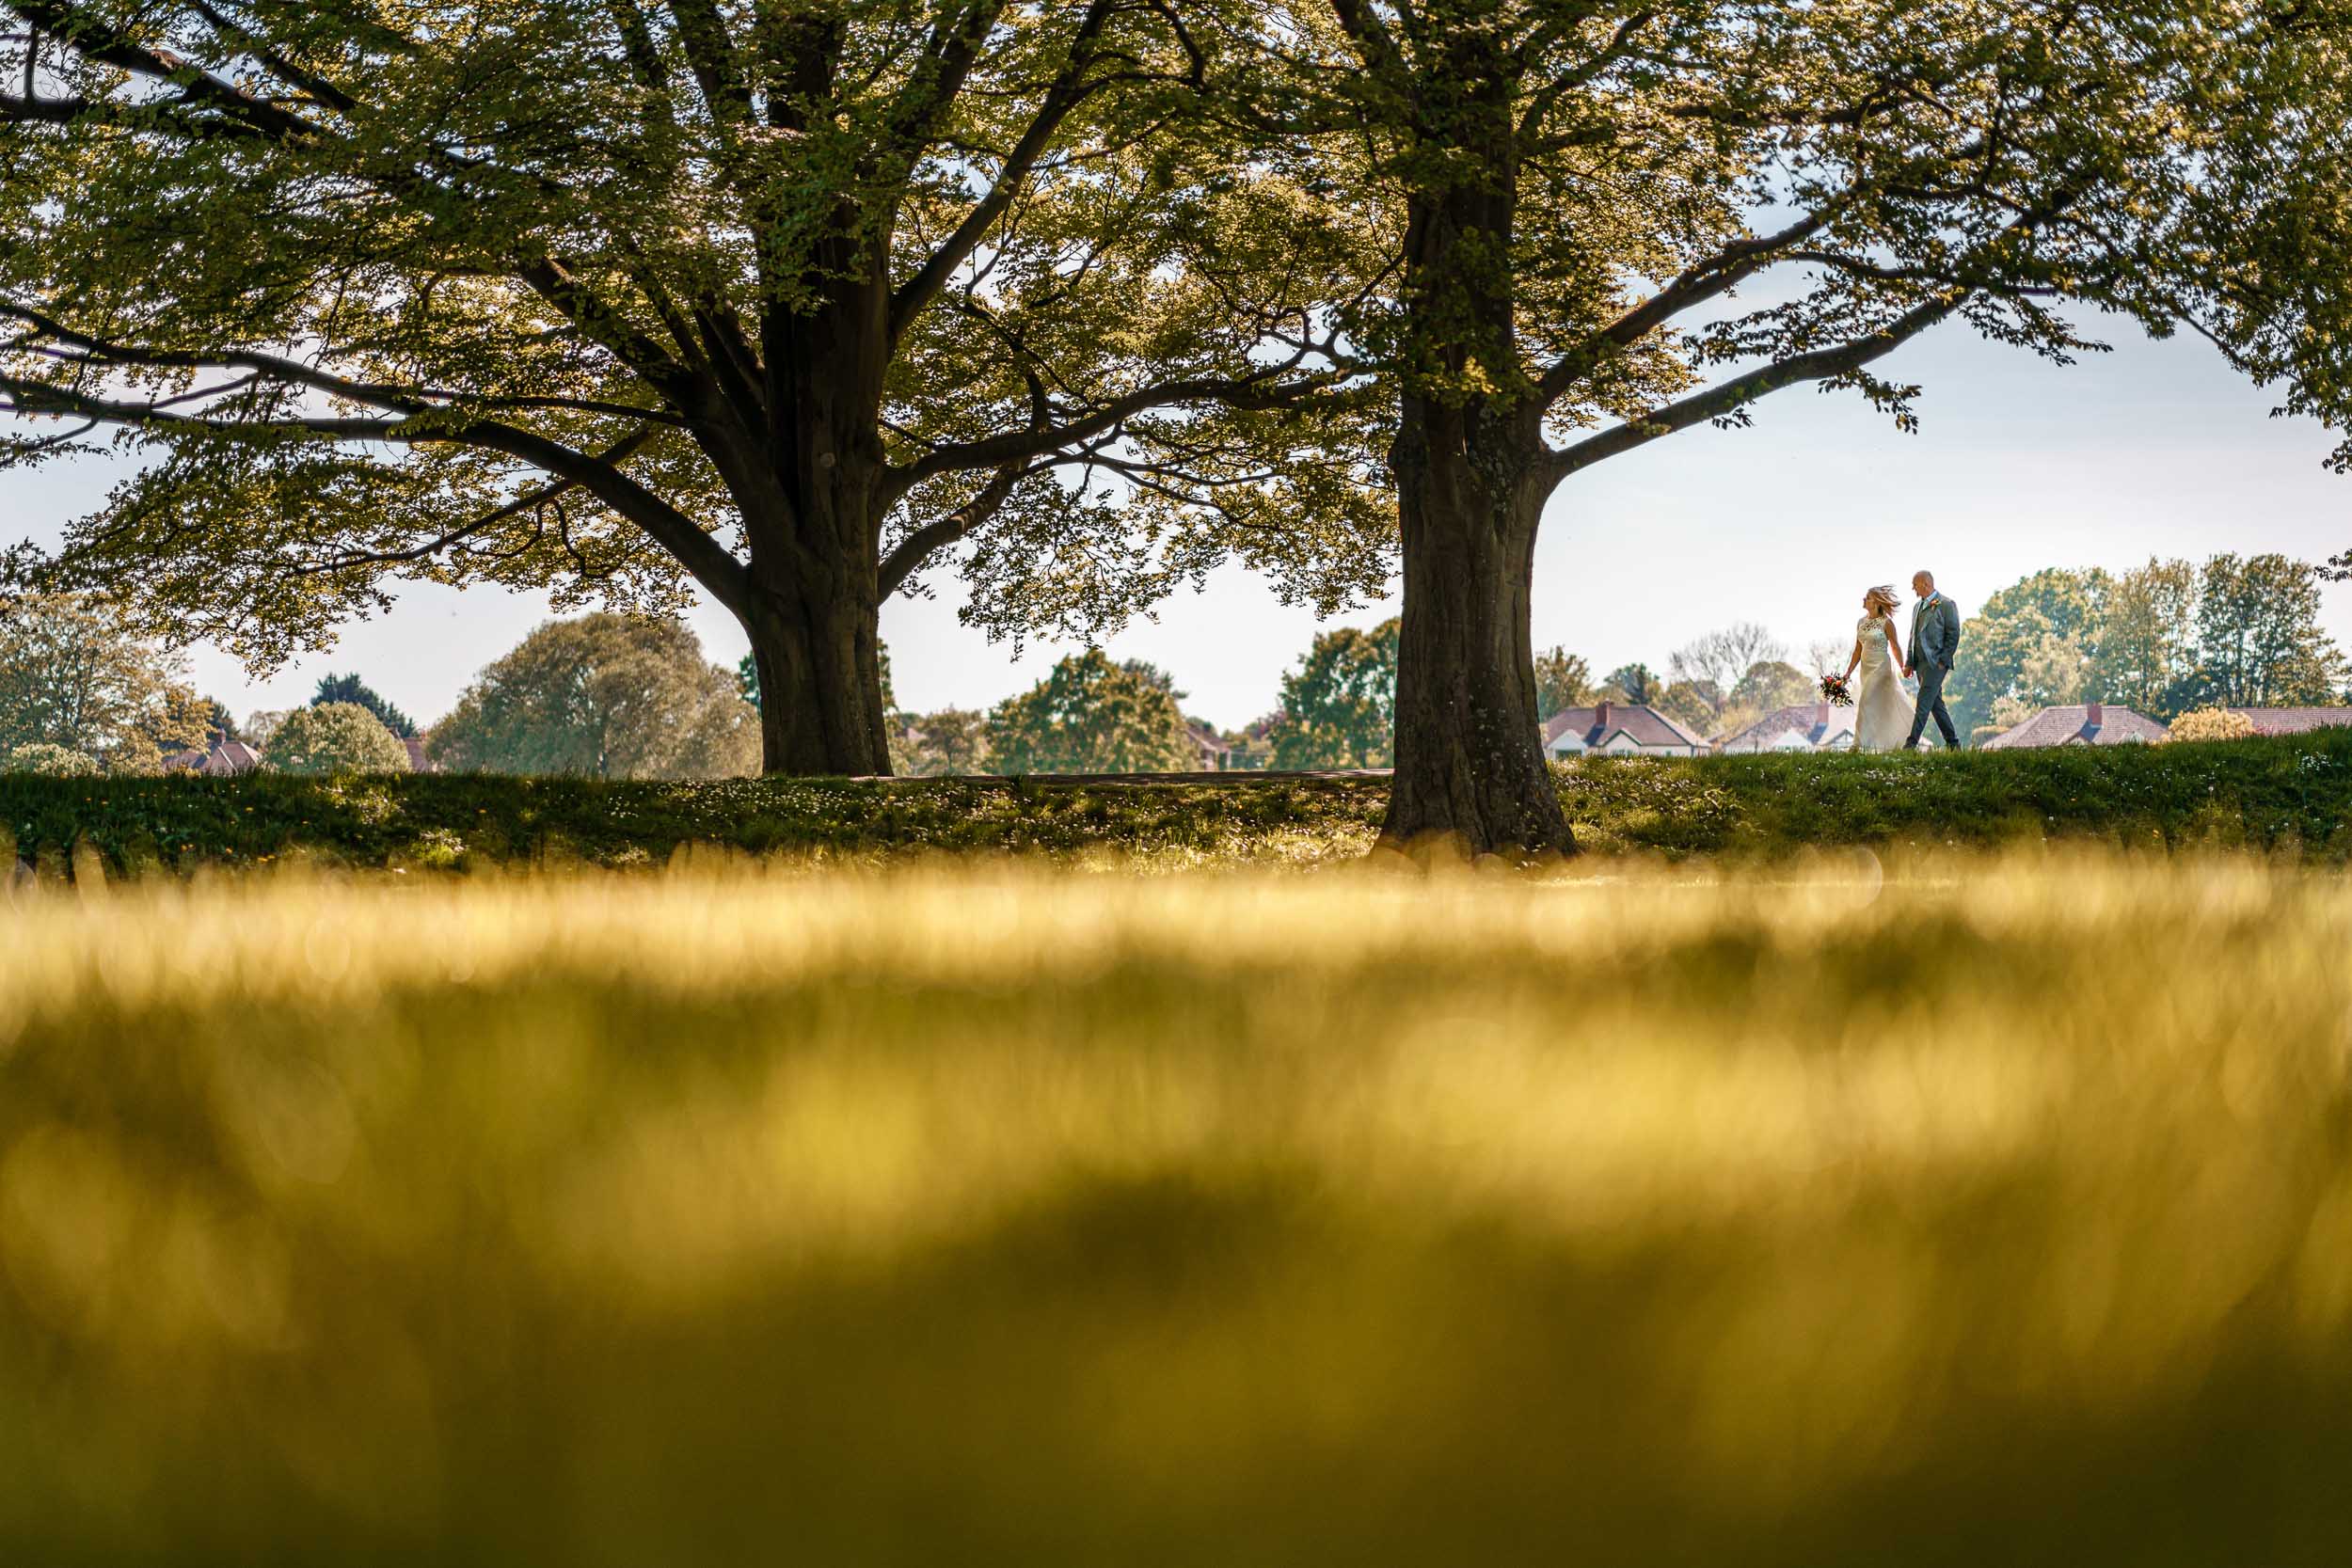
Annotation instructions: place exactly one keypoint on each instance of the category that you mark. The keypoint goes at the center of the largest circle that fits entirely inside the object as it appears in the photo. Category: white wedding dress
(1882, 709)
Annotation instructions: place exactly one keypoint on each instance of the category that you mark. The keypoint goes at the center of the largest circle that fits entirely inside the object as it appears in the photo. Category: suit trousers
(1932, 701)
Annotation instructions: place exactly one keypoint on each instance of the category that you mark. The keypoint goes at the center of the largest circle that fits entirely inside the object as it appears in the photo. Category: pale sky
(2156, 449)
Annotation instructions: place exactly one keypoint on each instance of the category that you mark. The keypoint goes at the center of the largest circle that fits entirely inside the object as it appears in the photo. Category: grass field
(1982, 1211)
(2290, 795)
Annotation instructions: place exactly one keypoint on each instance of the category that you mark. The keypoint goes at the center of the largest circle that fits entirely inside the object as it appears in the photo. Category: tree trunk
(813, 522)
(1469, 762)
(821, 705)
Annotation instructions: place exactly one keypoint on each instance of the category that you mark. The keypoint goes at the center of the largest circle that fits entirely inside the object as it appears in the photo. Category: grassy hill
(2292, 794)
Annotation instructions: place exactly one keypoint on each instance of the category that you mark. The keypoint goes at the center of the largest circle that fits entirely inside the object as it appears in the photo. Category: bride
(1882, 720)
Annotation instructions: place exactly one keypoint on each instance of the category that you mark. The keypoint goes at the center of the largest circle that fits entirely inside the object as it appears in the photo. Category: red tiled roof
(1643, 725)
(2294, 721)
(2071, 726)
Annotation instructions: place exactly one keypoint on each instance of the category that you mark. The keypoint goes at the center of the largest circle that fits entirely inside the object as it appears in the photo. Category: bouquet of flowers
(1837, 690)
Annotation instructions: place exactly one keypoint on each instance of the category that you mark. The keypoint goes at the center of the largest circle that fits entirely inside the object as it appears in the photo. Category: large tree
(1577, 191)
(946, 744)
(1720, 658)
(615, 296)
(2161, 639)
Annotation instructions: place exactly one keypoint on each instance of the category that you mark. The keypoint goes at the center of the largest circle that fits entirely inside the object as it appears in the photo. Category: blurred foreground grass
(1994, 1213)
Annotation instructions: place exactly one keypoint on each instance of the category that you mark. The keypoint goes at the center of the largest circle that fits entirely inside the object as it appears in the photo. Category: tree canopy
(606, 695)
(1339, 706)
(1090, 715)
(335, 738)
(1632, 683)
(351, 689)
(73, 675)
(1563, 680)
(2259, 640)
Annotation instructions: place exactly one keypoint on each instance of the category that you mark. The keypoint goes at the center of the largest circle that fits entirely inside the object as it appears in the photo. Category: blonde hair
(1880, 600)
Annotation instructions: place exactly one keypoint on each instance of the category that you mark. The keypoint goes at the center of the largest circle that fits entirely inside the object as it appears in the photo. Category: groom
(1935, 639)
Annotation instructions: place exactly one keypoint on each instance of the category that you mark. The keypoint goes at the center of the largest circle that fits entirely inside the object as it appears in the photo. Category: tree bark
(818, 658)
(1469, 762)
(813, 520)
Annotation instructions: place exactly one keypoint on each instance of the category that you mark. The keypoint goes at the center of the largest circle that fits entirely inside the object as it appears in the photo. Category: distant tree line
(2164, 639)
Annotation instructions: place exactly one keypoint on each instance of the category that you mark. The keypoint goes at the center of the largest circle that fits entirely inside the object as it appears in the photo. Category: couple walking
(1885, 717)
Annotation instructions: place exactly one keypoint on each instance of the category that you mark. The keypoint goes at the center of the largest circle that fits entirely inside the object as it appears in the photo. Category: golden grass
(1994, 1212)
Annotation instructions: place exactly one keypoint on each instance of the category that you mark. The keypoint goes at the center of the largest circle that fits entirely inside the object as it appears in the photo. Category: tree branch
(551, 281)
(711, 563)
(410, 400)
(1019, 446)
(921, 545)
(1371, 38)
(1708, 280)
(311, 82)
(537, 497)
(710, 54)
(99, 40)
(1731, 396)
(1067, 93)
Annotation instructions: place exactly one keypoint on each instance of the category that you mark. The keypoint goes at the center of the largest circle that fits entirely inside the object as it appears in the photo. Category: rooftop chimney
(2096, 716)
(1821, 715)
(1600, 718)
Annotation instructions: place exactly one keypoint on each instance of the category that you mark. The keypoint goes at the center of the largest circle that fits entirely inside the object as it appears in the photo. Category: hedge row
(2293, 793)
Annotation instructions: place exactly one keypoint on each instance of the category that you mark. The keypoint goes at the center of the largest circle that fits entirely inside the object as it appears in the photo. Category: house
(2081, 725)
(2294, 721)
(225, 758)
(1618, 729)
(1209, 755)
(1809, 727)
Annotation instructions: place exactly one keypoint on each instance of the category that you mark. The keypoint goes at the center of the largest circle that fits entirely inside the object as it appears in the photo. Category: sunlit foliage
(335, 738)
